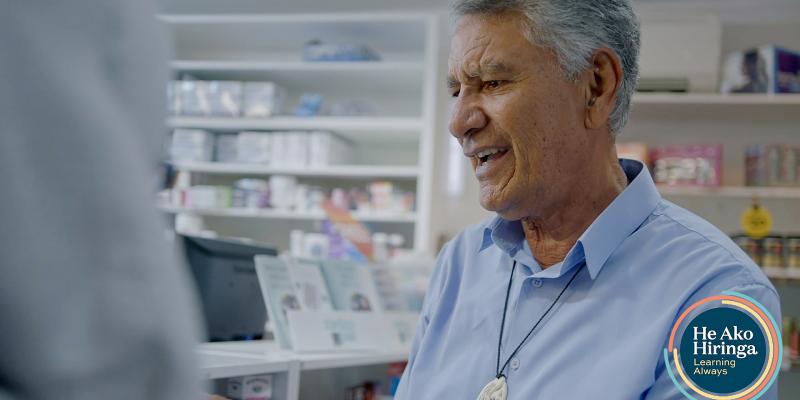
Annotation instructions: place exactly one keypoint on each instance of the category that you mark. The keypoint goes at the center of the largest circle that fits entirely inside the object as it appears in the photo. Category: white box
(279, 148)
(224, 98)
(316, 245)
(297, 149)
(263, 99)
(226, 148)
(327, 148)
(193, 98)
(202, 196)
(191, 145)
(254, 147)
(174, 98)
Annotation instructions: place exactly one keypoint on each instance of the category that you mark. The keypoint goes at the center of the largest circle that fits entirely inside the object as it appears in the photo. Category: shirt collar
(618, 221)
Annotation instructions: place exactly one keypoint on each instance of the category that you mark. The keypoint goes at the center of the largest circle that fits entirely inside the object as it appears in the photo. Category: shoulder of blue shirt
(734, 270)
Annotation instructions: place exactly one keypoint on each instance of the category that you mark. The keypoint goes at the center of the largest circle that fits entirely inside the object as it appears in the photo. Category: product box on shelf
(778, 255)
(263, 99)
(250, 193)
(772, 165)
(191, 145)
(327, 148)
(224, 98)
(315, 50)
(226, 148)
(207, 98)
(687, 165)
(765, 69)
(174, 98)
(192, 98)
(296, 152)
(254, 147)
(278, 143)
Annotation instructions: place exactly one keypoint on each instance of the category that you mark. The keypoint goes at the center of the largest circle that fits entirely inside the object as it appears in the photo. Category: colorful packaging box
(765, 69)
(687, 165)
(772, 165)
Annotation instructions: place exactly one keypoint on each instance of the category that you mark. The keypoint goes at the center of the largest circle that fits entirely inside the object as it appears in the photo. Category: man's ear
(602, 80)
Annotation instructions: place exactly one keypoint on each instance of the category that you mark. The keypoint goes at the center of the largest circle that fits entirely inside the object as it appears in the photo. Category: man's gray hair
(574, 29)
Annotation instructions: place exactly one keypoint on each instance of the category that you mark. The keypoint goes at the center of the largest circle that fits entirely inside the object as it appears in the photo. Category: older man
(571, 290)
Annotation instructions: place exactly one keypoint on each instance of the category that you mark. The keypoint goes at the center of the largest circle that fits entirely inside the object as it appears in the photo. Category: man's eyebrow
(452, 82)
(496, 67)
(492, 67)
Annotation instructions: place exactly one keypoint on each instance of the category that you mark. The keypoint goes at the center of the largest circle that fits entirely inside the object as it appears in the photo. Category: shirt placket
(533, 296)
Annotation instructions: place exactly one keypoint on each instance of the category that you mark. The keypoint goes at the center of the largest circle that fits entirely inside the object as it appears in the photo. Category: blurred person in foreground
(92, 302)
(571, 290)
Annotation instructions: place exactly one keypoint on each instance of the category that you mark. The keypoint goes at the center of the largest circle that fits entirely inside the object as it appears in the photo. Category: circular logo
(724, 347)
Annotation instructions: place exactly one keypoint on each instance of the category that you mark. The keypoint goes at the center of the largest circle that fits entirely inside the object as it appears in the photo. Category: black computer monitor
(225, 275)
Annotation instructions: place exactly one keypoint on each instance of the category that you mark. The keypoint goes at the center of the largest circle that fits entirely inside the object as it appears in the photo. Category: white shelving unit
(394, 143)
(386, 217)
(338, 171)
(346, 124)
(699, 99)
(733, 192)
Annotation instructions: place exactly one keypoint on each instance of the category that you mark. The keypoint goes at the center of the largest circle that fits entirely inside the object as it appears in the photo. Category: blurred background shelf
(402, 78)
(392, 137)
(783, 274)
(409, 217)
(733, 191)
(347, 124)
(700, 99)
(336, 171)
(309, 362)
(296, 66)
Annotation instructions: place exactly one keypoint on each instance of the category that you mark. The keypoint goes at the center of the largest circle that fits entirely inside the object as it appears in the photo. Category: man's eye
(491, 84)
(455, 93)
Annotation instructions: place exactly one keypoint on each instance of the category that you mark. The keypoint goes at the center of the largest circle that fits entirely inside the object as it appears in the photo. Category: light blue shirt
(646, 261)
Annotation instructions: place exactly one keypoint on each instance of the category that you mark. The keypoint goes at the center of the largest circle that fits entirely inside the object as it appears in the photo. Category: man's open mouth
(490, 154)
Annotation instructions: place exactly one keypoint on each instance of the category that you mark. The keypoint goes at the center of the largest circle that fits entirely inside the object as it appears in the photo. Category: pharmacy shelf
(360, 79)
(294, 66)
(733, 191)
(700, 99)
(334, 171)
(220, 364)
(399, 129)
(376, 18)
(353, 128)
(309, 362)
(387, 217)
(782, 274)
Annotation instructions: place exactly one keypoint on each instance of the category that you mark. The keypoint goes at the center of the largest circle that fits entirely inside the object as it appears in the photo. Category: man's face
(517, 118)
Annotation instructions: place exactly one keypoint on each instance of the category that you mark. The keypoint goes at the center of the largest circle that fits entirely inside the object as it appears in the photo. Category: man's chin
(503, 207)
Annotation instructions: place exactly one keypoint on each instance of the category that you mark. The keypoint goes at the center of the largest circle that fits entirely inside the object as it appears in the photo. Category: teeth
(487, 152)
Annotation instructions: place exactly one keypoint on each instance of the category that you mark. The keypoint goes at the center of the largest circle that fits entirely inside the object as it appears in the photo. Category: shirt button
(537, 282)
(515, 364)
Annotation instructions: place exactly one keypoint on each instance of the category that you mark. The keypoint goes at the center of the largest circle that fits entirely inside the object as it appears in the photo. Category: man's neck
(551, 236)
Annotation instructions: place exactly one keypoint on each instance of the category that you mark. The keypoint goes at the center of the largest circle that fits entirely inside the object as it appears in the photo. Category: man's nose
(467, 117)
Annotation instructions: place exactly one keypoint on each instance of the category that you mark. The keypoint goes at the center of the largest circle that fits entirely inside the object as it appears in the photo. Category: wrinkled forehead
(488, 43)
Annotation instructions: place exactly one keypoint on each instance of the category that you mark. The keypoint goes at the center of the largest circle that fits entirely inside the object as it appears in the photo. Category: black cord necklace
(505, 309)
